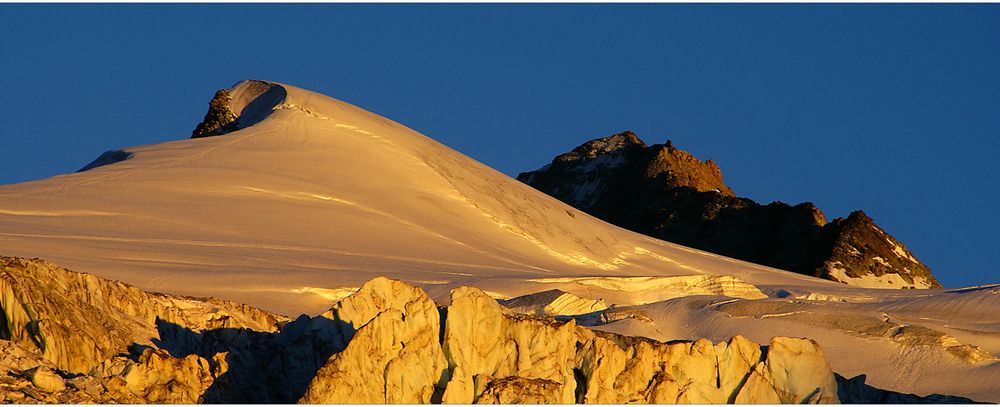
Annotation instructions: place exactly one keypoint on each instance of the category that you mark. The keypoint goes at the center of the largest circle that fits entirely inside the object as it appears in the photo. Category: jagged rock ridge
(664, 192)
(386, 343)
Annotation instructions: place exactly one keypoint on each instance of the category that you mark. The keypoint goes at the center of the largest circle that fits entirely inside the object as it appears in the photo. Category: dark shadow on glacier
(107, 158)
(855, 391)
(261, 106)
(262, 367)
(986, 287)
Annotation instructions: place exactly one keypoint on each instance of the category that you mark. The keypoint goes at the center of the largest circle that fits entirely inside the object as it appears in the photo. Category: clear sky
(893, 109)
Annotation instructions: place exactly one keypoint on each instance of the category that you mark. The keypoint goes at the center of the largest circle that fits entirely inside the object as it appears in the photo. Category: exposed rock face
(666, 193)
(238, 107)
(865, 255)
(219, 119)
(584, 176)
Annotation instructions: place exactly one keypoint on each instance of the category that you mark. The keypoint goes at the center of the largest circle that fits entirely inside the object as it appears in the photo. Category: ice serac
(393, 357)
(390, 343)
(492, 355)
(628, 370)
(664, 192)
(71, 335)
(158, 377)
(153, 377)
(553, 303)
(484, 344)
(639, 290)
(76, 320)
(489, 350)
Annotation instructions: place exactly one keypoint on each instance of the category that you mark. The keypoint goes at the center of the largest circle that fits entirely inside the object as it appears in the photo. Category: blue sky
(893, 109)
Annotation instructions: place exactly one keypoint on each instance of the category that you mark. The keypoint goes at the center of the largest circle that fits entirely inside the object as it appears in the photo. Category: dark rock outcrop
(664, 192)
(241, 106)
(219, 119)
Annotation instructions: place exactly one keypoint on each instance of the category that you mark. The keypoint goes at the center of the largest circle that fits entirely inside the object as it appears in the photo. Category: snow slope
(315, 196)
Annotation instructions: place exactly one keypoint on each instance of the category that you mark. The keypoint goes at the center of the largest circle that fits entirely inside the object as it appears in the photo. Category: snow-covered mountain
(313, 195)
(291, 200)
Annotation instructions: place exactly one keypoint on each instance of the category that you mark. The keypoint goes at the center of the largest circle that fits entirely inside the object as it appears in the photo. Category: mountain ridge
(665, 192)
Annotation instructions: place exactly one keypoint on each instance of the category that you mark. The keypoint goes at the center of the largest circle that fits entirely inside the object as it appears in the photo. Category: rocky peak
(678, 168)
(864, 254)
(241, 106)
(601, 146)
(665, 192)
(219, 119)
(622, 163)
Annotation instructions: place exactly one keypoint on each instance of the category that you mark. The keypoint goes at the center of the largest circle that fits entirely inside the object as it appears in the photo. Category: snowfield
(314, 196)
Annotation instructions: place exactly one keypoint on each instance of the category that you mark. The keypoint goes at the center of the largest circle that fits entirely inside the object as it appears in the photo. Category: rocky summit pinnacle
(595, 166)
(664, 192)
(219, 118)
(239, 107)
(601, 146)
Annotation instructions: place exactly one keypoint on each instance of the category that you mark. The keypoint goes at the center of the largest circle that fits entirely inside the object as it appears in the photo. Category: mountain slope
(311, 194)
(667, 193)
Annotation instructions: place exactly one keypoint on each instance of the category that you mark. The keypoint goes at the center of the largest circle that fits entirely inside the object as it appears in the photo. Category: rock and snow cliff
(667, 193)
